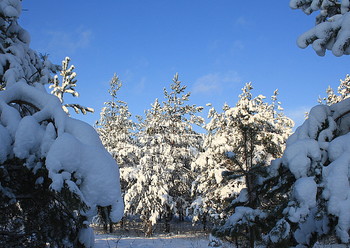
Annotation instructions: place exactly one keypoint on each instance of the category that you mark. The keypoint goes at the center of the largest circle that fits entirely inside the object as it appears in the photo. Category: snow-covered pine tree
(332, 26)
(309, 175)
(209, 189)
(163, 176)
(308, 187)
(50, 165)
(117, 129)
(118, 135)
(252, 134)
(67, 85)
(343, 92)
(313, 174)
(15, 51)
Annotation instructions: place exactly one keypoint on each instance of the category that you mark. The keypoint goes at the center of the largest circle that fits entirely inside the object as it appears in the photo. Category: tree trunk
(122, 223)
(168, 217)
(110, 226)
(204, 221)
(167, 226)
(181, 215)
(148, 228)
(253, 203)
(251, 237)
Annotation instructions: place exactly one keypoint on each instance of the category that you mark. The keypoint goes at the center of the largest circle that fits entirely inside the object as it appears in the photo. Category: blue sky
(216, 46)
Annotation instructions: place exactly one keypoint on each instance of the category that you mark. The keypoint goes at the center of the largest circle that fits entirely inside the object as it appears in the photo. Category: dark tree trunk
(167, 225)
(110, 227)
(251, 237)
(148, 228)
(122, 222)
(107, 223)
(168, 217)
(204, 222)
(253, 203)
(181, 215)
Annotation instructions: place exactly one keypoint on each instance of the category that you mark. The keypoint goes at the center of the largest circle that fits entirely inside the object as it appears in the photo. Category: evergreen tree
(332, 26)
(308, 174)
(343, 92)
(312, 181)
(253, 133)
(18, 60)
(209, 188)
(117, 132)
(163, 176)
(51, 179)
(67, 86)
(117, 129)
(304, 193)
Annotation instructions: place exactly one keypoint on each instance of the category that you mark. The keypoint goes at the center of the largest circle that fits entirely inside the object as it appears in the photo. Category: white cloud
(215, 82)
(69, 42)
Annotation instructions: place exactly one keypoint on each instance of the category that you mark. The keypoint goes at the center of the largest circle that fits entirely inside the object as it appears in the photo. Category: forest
(250, 179)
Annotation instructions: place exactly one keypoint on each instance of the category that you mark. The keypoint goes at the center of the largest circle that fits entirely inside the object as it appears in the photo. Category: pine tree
(67, 86)
(163, 177)
(305, 192)
(48, 161)
(253, 133)
(310, 177)
(332, 26)
(117, 129)
(15, 51)
(343, 92)
(209, 188)
(118, 135)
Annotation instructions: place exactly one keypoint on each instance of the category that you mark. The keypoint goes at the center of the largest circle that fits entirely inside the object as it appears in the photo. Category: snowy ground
(176, 241)
(184, 235)
(163, 241)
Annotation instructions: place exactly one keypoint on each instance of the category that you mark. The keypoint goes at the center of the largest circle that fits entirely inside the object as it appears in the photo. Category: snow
(244, 215)
(74, 154)
(298, 156)
(332, 26)
(176, 241)
(28, 137)
(280, 231)
(4, 144)
(161, 241)
(167, 143)
(87, 237)
(318, 155)
(11, 8)
(242, 197)
(305, 190)
(337, 187)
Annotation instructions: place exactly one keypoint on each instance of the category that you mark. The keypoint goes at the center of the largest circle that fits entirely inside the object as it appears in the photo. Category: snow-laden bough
(73, 153)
